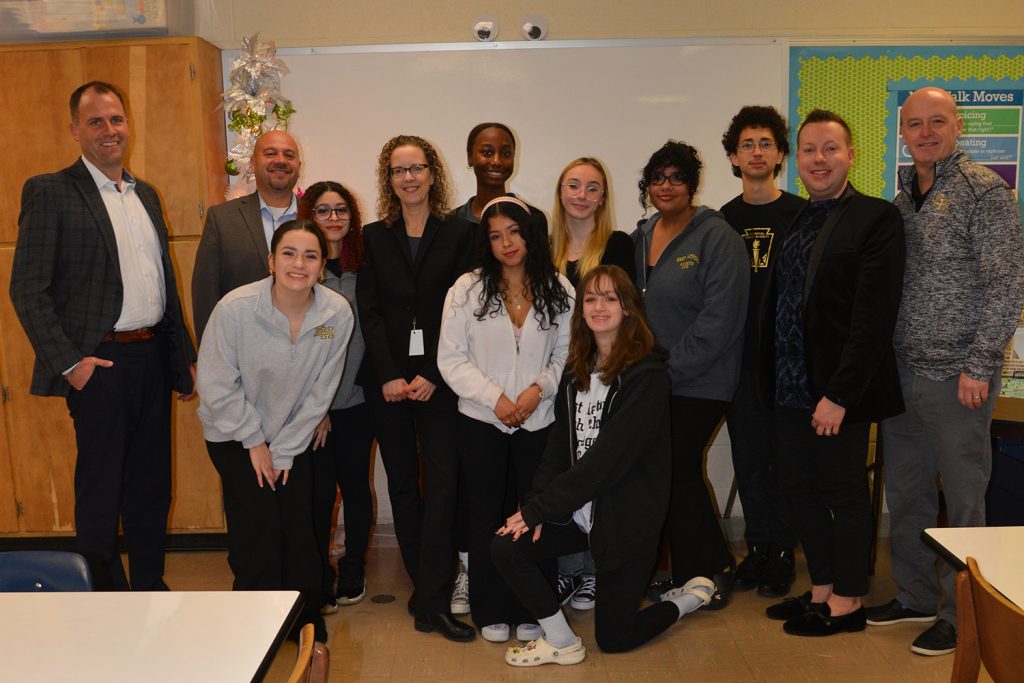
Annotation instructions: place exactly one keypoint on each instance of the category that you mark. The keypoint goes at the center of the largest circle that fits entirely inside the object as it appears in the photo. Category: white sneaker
(495, 633)
(460, 592)
(528, 632)
(540, 651)
(586, 597)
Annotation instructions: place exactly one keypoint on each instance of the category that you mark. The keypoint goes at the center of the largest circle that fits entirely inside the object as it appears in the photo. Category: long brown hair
(633, 342)
(603, 228)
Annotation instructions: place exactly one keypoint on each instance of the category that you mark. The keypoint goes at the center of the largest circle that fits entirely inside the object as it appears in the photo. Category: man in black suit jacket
(93, 286)
(829, 318)
(235, 244)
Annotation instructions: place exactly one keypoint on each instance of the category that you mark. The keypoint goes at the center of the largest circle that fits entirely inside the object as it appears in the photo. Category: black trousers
(498, 470)
(122, 420)
(825, 480)
(271, 544)
(424, 525)
(344, 463)
(619, 624)
(696, 541)
(755, 460)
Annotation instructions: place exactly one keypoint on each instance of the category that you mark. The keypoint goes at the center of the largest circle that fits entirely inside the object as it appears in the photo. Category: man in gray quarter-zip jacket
(962, 292)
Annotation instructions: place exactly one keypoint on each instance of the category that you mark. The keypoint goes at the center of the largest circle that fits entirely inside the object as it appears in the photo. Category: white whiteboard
(616, 100)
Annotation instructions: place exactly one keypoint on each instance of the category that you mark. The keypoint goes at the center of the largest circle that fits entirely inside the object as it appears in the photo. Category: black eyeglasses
(765, 145)
(415, 170)
(674, 179)
(324, 212)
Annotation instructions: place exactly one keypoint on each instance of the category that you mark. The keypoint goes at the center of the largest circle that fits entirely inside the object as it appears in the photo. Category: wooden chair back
(304, 660)
(990, 630)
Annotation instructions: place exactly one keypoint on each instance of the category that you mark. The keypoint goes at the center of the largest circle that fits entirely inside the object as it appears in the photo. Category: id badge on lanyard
(415, 340)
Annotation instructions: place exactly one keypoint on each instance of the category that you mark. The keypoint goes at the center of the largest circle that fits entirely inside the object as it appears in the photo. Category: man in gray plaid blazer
(93, 286)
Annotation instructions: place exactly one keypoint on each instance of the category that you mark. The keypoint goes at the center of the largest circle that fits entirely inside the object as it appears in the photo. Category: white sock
(464, 559)
(557, 631)
(687, 602)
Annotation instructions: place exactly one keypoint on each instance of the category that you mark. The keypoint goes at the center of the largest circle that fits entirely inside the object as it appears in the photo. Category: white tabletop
(178, 636)
(999, 551)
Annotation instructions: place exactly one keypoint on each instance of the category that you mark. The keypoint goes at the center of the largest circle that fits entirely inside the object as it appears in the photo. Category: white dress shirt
(138, 252)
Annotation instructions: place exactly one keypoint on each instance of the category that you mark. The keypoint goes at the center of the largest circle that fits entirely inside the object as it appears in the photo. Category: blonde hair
(603, 228)
(389, 208)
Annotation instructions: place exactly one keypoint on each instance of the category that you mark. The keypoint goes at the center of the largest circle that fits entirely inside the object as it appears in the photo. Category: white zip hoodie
(254, 385)
(478, 359)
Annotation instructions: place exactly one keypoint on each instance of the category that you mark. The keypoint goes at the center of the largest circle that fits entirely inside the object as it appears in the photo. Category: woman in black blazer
(413, 255)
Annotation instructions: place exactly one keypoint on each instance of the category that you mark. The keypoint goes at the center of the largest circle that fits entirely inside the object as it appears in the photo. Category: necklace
(512, 300)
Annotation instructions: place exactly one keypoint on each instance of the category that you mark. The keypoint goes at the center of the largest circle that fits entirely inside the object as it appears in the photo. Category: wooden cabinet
(173, 88)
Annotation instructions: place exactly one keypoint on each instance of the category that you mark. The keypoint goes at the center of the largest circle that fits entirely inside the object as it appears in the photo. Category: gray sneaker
(893, 612)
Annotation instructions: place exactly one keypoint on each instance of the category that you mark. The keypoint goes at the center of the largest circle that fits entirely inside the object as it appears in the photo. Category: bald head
(276, 166)
(930, 126)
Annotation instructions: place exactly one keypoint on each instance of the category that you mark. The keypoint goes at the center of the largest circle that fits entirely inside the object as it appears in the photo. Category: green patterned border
(853, 82)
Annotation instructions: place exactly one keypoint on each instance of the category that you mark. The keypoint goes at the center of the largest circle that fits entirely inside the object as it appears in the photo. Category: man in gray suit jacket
(235, 244)
(93, 286)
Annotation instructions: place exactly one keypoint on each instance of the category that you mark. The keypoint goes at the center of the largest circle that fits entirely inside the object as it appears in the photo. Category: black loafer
(447, 625)
(820, 622)
(778, 574)
(791, 607)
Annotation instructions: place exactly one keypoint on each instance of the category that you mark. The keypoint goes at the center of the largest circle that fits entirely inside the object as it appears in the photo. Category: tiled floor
(376, 641)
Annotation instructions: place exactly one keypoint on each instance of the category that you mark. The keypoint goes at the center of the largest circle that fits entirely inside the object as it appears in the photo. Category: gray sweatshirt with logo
(964, 278)
(696, 302)
(255, 386)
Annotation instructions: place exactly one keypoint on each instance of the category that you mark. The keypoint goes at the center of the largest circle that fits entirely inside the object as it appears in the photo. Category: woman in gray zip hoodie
(269, 366)
(692, 269)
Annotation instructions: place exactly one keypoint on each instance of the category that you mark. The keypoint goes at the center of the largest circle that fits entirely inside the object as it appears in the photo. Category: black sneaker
(893, 612)
(940, 639)
(779, 574)
(567, 587)
(586, 597)
(748, 573)
(329, 607)
(351, 586)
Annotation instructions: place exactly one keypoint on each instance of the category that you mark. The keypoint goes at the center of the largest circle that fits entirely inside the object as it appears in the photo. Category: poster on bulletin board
(867, 87)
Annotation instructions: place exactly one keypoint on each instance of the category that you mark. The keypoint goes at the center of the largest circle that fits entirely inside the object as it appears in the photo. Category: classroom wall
(344, 22)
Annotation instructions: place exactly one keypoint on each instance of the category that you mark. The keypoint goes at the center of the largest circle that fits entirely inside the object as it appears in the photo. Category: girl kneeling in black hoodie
(603, 483)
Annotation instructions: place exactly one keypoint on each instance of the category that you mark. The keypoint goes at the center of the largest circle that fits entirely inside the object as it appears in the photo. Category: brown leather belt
(130, 336)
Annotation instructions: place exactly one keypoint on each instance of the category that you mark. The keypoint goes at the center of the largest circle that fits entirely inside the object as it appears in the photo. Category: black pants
(344, 463)
(498, 471)
(697, 544)
(271, 544)
(122, 419)
(755, 461)
(424, 526)
(825, 481)
(619, 625)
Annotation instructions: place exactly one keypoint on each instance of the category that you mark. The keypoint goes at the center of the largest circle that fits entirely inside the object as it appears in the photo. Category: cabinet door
(197, 498)
(35, 121)
(41, 437)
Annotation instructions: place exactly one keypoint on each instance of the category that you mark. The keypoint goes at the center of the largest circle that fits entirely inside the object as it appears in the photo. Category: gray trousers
(935, 436)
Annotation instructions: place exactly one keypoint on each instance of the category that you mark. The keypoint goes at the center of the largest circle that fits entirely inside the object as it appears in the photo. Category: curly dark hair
(480, 127)
(757, 116)
(673, 153)
(352, 244)
(633, 341)
(549, 297)
(389, 208)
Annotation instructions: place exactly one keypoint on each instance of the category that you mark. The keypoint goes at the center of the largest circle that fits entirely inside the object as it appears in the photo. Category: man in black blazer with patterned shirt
(93, 286)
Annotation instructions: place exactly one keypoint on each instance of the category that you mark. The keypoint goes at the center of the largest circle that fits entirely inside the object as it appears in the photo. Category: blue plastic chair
(46, 571)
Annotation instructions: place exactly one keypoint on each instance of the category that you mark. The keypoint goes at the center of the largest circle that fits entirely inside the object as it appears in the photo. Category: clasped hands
(516, 526)
(419, 389)
(515, 414)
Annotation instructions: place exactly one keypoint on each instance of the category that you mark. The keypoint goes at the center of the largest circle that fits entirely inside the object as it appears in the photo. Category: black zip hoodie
(626, 472)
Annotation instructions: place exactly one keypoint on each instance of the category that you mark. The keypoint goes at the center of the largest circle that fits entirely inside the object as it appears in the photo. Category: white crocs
(702, 589)
(539, 651)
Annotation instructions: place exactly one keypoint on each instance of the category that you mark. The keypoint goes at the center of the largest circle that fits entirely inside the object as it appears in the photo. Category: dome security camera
(534, 28)
(485, 29)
